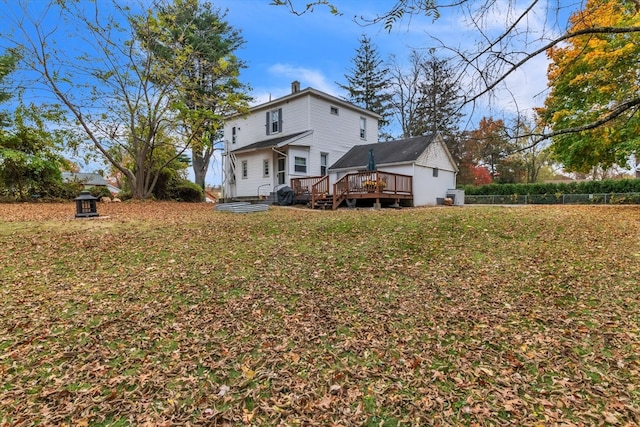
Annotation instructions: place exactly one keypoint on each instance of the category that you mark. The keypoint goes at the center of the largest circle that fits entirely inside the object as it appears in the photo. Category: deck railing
(319, 190)
(310, 187)
(302, 186)
(375, 184)
(359, 185)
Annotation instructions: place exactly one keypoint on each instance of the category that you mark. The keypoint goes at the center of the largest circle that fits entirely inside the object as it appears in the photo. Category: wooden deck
(376, 185)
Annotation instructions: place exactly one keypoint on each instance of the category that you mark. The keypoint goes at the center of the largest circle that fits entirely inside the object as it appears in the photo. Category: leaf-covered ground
(173, 314)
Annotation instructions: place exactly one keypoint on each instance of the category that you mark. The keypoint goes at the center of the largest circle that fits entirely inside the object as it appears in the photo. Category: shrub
(186, 191)
(125, 195)
(584, 187)
(100, 192)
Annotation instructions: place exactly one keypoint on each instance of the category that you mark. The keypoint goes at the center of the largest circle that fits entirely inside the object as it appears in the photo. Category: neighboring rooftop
(92, 179)
(89, 180)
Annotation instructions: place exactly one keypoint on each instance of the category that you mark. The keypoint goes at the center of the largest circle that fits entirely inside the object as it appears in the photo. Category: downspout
(225, 183)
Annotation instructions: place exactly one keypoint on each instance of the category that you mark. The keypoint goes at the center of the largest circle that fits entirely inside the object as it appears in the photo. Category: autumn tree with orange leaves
(489, 144)
(592, 76)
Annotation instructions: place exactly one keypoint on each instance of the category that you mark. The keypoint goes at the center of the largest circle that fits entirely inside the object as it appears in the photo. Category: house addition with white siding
(424, 158)
(298, 135)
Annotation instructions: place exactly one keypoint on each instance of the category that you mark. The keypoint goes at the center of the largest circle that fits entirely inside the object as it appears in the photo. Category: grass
(170, 314)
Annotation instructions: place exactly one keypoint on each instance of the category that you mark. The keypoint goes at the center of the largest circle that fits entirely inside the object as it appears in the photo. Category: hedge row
(555, 199)
(582, 187)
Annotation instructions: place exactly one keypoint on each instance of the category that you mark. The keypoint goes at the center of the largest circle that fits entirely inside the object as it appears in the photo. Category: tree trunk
(200, 162)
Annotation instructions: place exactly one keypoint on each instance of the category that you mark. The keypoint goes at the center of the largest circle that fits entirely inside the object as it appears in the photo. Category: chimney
(295, 86)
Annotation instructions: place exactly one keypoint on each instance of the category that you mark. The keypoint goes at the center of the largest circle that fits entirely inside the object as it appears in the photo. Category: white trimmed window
(274, 121)
(435, 172)
(334, 110)
(324, 158)
(245, 169)
(265, 168)
(363, 128)
(234, 135)
(300, 165)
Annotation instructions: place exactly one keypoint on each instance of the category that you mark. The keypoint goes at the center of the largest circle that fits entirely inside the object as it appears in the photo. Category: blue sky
(316, 48)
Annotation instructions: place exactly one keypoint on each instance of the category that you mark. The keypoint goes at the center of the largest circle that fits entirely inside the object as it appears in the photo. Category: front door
(281, 169)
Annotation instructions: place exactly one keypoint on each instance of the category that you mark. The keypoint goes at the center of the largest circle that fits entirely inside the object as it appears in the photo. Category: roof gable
(309, 92)
(406, 150)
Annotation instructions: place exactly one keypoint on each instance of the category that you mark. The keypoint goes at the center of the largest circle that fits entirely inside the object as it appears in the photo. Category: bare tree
(497, 54)
(405, 87)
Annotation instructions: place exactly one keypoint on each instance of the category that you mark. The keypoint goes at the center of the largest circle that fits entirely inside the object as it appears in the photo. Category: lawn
(174, 314)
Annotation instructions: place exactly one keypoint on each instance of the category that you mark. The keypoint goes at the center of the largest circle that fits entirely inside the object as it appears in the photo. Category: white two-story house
(301, 134)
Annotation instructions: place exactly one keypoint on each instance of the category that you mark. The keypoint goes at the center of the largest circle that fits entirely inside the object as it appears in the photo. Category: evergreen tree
(438, 108)
(368, 81)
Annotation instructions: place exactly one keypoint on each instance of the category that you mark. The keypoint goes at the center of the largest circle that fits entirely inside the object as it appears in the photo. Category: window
(245, 169)
(323, 163)
(234, 135)
(363, 128)
(265, 168)
(435, 172)
(300, 165)
(334, 110)
(274, 121)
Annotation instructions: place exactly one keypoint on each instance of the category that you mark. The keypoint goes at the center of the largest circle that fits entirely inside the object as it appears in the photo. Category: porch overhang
(277, 142)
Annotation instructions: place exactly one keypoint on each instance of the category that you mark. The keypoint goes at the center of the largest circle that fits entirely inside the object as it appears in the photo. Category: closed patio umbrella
(371, 163)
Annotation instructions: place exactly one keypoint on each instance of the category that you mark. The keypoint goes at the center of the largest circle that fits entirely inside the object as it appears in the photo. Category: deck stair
(322, 203)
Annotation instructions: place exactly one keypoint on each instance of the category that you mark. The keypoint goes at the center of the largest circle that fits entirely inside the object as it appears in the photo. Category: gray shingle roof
(398, 151)
(267, 143)
(92, 179)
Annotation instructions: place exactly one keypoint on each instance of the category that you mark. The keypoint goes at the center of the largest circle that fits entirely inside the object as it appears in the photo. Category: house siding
(335, 134)
(255, 184)
(435, 156)
(252, 128)
(427, 188)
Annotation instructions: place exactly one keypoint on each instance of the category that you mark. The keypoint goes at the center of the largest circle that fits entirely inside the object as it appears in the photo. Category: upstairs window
(334, 110)
(435, 172)
(274, 121)
(234, 135)
(363, 128)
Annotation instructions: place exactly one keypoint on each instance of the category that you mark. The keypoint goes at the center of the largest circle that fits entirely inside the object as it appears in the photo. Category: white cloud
(306, 76)
(284, 75)
(529, 85)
